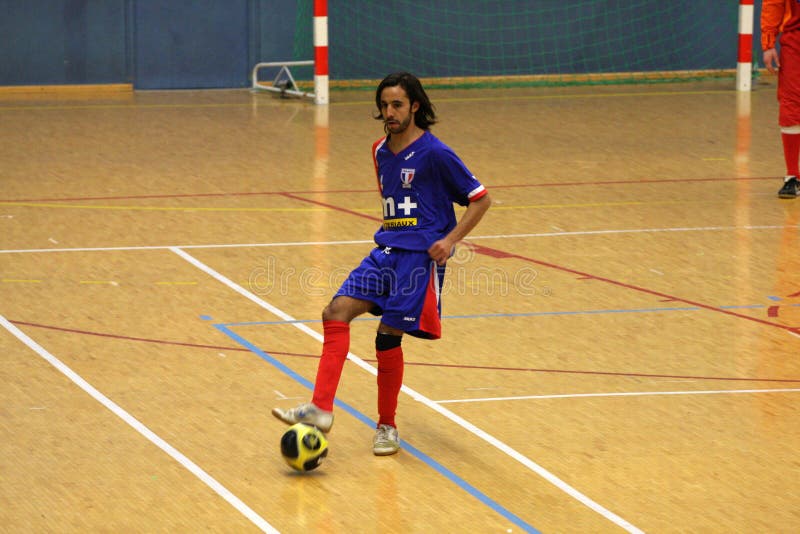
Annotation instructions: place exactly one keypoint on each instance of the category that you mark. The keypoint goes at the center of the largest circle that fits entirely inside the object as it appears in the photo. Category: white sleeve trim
(478, 190)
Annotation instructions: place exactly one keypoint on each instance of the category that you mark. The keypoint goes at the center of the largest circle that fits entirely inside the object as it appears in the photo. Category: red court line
(635, 182)
(333, 207)
(351, 191)
(497, 253)
(423, 364)
(480, 249)
(150, 340)
(127, 338)
(604, 373)
(184, 195)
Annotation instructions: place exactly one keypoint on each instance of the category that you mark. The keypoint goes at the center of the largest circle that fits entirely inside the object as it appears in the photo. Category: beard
(397, 127)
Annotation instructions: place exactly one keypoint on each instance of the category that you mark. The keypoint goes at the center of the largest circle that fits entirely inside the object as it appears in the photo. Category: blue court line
(531, 314)
(463, 484)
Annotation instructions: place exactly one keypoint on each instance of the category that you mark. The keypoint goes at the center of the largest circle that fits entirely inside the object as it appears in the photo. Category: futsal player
(780, 23)
(419, 180)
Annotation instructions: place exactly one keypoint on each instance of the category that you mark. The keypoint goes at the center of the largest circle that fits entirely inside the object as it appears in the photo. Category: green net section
(534, 42)
(304, 31)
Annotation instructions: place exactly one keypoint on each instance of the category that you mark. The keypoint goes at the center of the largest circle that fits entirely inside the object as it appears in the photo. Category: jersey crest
(406, 176)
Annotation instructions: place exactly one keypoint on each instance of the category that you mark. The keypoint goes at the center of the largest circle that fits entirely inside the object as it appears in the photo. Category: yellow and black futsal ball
(303, 447)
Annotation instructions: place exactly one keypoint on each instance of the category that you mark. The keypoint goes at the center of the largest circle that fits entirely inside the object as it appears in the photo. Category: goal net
(464, 43)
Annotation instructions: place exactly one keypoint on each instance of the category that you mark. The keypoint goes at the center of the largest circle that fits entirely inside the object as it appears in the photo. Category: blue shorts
(404, 285)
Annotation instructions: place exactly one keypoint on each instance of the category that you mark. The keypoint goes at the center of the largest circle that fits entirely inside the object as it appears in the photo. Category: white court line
(362, 242)
(627, 394)
(140, 428)
(530, 464)
(170, 247)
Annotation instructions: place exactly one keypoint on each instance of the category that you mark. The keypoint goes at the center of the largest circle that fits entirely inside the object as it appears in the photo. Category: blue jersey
(418, 187)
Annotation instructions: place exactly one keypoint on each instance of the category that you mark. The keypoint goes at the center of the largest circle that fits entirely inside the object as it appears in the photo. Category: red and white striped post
(744, 78)
(744, 65)
(321, 51)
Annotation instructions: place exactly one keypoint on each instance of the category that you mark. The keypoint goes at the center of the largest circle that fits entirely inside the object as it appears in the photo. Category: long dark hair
(424, 117)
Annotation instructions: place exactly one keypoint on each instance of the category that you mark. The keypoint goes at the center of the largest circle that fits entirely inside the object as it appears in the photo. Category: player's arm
(440, 251)
(772, 12)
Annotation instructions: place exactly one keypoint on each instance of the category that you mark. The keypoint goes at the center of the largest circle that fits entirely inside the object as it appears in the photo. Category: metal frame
(289, 88)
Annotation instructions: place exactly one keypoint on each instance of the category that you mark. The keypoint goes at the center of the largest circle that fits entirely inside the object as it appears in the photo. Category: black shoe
(790, 188)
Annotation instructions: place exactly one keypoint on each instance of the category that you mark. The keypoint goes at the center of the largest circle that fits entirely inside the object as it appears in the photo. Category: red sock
(334, 353)
(390, 380)
(791, 153)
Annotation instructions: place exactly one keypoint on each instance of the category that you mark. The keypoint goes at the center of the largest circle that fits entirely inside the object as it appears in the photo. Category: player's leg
(789, 112)
(790, 137)
(336, 318)
(389, 353)
(413, 308)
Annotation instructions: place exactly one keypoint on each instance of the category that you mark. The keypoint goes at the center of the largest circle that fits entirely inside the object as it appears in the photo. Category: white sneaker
(306, 413)
(386, 441)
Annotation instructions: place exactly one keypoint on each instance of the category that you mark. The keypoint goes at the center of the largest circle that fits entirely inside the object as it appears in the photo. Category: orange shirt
(778, 16)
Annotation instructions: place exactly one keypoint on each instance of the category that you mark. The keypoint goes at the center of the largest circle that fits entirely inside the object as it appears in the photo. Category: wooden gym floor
(620, 344)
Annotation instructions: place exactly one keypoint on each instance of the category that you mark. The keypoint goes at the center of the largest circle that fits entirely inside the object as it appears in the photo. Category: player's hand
(771, 60)
(440, 251)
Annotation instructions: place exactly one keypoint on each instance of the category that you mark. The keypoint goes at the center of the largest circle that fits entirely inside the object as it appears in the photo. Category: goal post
(321, 51)
(284, 82)
(744, 63)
